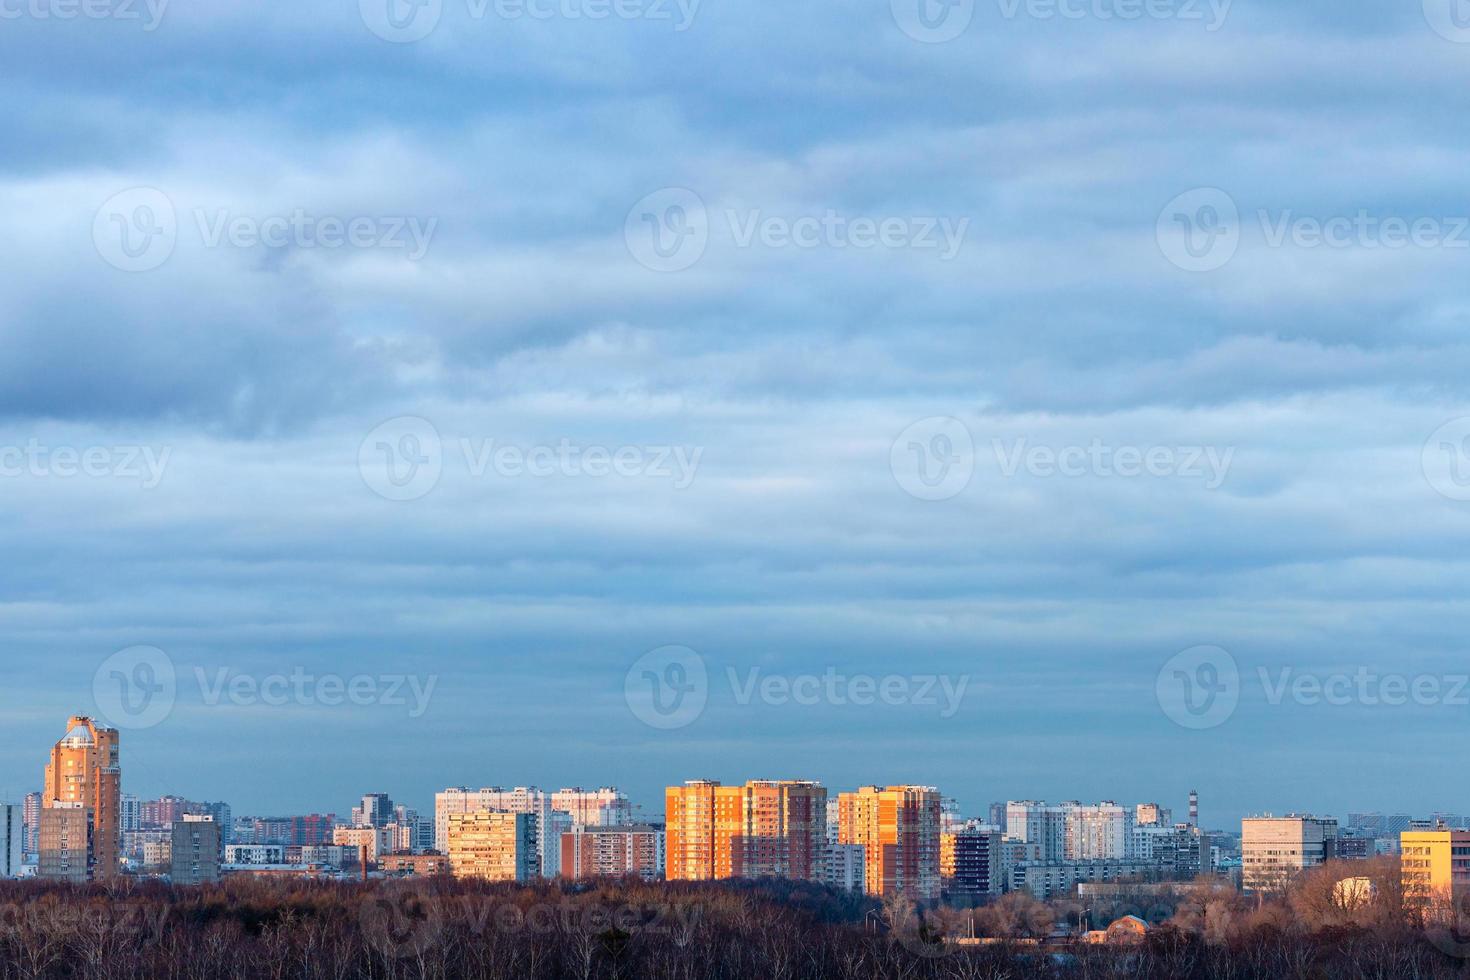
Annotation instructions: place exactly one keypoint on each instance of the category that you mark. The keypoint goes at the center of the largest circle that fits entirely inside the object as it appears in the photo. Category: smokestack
(1194, 808)
(362, 858)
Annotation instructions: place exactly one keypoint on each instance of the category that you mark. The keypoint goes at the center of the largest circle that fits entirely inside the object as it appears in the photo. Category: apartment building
(613, 852)
(764, 828)
(898, 827)
(495, 846)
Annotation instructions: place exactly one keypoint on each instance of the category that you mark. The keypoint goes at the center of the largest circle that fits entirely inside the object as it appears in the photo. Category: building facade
(613, 852)
(494, 846)
(762, 829)
(84, 772)
(1435, 867)
(12, 840)
(1276, 849)
(898, 827)
(196, 851)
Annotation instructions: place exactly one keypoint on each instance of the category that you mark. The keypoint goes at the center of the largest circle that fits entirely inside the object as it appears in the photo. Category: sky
(1037, 399)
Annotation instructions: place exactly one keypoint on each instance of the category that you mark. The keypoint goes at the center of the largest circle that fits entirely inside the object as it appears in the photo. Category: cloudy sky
(1035, 398)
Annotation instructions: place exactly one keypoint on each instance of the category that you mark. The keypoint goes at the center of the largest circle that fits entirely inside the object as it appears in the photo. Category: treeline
(441, 929)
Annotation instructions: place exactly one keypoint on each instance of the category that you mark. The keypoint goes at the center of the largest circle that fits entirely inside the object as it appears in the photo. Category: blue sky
(869, 241)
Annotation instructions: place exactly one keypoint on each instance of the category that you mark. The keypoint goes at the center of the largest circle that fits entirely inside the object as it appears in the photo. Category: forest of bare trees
(442, 929)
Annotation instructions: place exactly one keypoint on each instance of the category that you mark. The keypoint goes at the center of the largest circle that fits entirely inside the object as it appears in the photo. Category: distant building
(762, 829)
(376, 811)
(613, 852)
(604, 807)
(1276, 849)
(1153, 815)
(12, 840)
(196, 850)
(255, 854)
(1435, 867)
(66, 842)
(377, 840)
(847, 867)
(494, 846)
(33, 826)
(415, 865)
(898, 827)
(1050, 879)
(83, 772)
(523, 799)
(973, 871)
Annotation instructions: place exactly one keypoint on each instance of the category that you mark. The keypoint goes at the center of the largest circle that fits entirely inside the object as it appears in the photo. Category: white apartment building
(254, 854)
(1072, 831)
(845, 866)
(1275, 849)
(605, 807)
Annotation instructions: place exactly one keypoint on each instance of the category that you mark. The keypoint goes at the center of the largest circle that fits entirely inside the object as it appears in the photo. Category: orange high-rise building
(898, 827)
(84, 774)
(766, 828)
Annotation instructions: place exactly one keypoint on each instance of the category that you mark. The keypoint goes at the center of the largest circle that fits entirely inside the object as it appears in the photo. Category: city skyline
(1004, 343)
